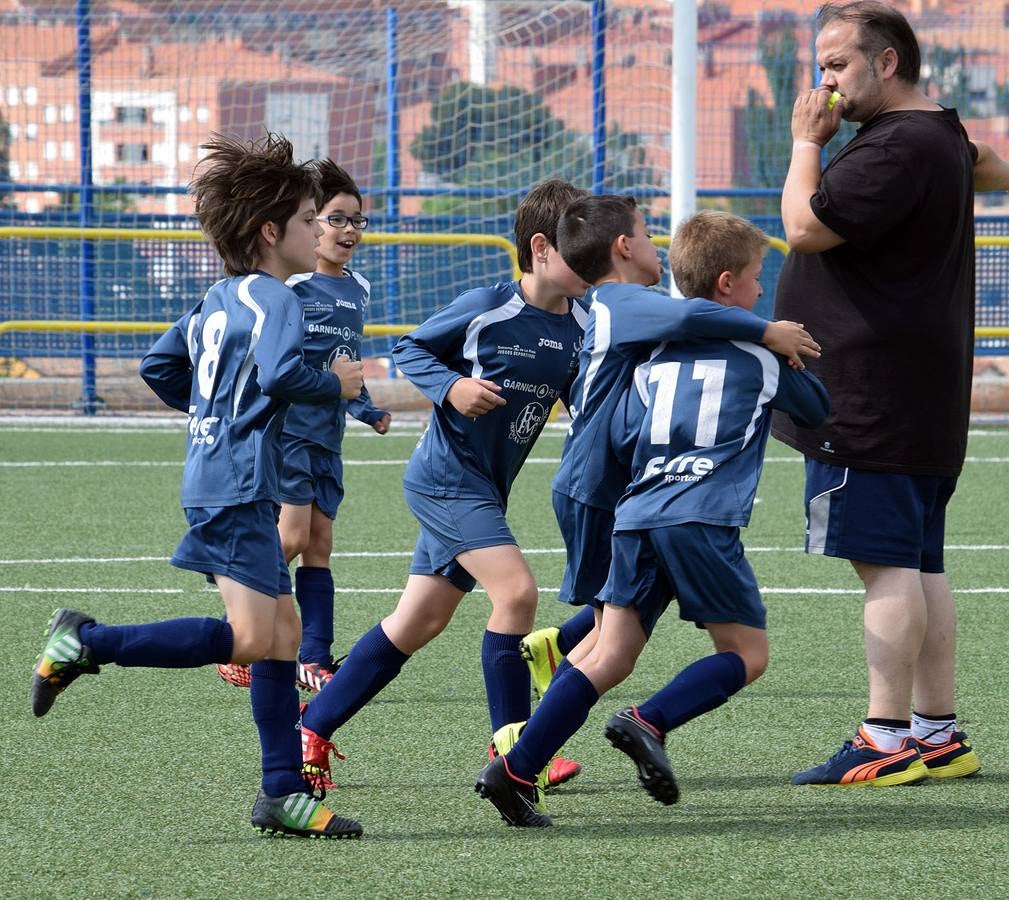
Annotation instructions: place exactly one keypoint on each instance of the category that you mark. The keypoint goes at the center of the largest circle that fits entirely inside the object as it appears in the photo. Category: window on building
(185, 152)
(52, 150)
(14, 130)
(13, 97)
(14, 167)
(133, 115)
(49, 114)
(185, 114)
(202, 114)
(31, 131)
(31, 95)
(68, 113)
(132, 153)
(68, 150)
(32, 171)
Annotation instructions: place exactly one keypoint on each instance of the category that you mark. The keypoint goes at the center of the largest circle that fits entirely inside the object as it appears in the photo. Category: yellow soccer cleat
(541, 653)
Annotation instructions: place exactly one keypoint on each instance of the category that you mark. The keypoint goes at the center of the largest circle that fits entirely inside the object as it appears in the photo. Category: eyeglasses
(339, 220)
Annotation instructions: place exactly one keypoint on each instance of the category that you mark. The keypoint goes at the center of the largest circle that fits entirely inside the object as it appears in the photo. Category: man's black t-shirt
(893, 307)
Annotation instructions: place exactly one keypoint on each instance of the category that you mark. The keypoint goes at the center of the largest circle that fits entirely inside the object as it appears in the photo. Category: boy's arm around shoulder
(801, 395)
(167, 368)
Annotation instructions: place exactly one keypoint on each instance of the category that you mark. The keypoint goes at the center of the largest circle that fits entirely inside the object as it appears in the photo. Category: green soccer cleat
(63, 659)
(301, 815)
(556, 772)
(541, 653)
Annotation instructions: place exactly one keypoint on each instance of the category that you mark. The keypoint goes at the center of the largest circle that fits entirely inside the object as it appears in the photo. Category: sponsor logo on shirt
(516, 350)
(826, 448)
(348, 334)
(540, 390)
(527, 423)
(200, 428)
(679, 468)
(552, 344)
(342, 350)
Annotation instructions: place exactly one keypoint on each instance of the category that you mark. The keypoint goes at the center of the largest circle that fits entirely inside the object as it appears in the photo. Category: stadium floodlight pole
(89, 396)
(683, 176)
(483, 19)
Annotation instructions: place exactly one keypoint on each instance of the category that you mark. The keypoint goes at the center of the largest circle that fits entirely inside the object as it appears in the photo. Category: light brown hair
(708, 243)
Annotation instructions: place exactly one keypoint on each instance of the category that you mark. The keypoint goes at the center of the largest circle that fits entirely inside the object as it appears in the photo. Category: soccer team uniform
(459, 475)
(698, 419)
(625, 323)
(233, 364)
(894, 306)
(334, 309)
(701, 413)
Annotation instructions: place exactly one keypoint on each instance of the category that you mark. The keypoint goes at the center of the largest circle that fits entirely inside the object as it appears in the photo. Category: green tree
(505, 138)
(5, 161)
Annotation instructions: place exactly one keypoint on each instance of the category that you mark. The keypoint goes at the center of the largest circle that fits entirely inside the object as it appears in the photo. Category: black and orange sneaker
(954, 758)
(301, 815)
(315, 751)
(516, 799)
(62, 660)
(314, 676)
(235, 673)
(645, 745)
(861, 763)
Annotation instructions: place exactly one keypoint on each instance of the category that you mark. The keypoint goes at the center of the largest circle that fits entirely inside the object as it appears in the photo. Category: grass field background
(139, 783)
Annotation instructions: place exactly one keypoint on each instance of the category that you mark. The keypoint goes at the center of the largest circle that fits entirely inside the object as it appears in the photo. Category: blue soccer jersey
(489, 333)
(234, 364)
(334, 325)
(626, 321)
(702, 414)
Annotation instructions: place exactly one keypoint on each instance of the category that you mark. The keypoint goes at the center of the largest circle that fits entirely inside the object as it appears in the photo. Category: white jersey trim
(245, 298)
(769, 365)
(471, 347)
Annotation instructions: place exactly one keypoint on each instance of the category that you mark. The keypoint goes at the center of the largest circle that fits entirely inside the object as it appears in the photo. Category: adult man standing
(882, 272)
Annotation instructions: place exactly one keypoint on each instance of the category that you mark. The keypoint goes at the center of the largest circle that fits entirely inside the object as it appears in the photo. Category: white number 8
(212, 336)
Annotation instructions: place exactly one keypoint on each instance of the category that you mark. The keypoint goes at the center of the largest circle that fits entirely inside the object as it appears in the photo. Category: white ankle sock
(935, 731)
(887, 739)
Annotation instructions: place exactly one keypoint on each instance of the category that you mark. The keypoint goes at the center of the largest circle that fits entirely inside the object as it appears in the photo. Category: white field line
(152, 464)
(768, 591)
(407, 554)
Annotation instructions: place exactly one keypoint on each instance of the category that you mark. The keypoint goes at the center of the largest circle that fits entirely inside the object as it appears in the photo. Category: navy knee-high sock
(372, 663)
(172, 644)
(313, 589)
(574, 629)
(563, 710)
(701, 687)
(562, 667)
(506, 678)
(275, 712)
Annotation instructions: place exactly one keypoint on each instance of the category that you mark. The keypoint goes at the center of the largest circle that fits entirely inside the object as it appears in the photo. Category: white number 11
(709, 371)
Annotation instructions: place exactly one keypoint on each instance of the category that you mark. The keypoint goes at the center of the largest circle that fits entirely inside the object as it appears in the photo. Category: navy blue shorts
(450, 526)
(587, 532)
(311, 474)
(239, 542)
(883, 518)
(702, 566)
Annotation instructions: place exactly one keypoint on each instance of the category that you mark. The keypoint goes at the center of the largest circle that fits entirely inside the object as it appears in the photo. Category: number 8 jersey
(234, 364)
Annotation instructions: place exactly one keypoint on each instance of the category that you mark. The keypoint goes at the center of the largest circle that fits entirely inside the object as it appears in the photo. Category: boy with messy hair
(234, 364)
(604, 238)
(335, 299)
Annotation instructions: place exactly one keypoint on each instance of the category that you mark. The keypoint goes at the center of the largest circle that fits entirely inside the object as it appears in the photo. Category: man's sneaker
(63, 658)
(860, 763)
(555, 773)
(315, 751)
(645, 745)
(541, 653)
(235, 673)
(314, 676)
(301, 815)
(516, 800)
(953, 759)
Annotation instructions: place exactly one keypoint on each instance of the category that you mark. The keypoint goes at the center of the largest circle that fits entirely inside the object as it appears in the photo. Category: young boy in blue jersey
(695, 466)
(626, 319)
(334, 299)
(492, 362)
(233, 364)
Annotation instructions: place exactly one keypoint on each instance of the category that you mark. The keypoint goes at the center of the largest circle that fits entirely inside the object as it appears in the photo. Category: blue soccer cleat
(860, 763)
